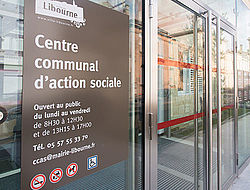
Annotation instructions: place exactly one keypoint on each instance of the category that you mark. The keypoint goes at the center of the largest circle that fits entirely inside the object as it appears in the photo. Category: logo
(92, 162)
(62, 10)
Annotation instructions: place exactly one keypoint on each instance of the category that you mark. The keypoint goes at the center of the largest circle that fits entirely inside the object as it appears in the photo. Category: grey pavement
(243, 181)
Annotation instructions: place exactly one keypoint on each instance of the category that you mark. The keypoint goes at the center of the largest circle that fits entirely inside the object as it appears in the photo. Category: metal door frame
(151, 91)
(151, 99)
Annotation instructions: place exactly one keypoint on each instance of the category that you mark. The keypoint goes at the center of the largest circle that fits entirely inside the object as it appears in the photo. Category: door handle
(150, 125)
(237, 102)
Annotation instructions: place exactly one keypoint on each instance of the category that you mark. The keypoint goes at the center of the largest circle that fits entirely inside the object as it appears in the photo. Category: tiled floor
(243, 182)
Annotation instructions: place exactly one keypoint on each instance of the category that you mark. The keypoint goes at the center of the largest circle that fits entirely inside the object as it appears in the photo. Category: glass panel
(214, 103)
(180, 97)
(124, 175)
(11, 52)
(227, 101)
(226, 8)
(127, 174)
(243, 63)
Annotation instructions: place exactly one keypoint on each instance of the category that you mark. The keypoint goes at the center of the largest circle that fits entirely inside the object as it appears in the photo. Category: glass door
(181, 97)
(227, 105)
(223, 97)
(193, 144)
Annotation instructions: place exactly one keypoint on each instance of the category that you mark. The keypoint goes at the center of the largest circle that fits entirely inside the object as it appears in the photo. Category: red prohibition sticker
(56, 175)
(72, 169)
(38, 182)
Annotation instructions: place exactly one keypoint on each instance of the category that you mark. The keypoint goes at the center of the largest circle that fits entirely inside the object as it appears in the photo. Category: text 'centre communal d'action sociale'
(68, 82)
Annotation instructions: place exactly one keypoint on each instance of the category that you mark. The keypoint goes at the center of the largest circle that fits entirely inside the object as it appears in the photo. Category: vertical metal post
(154, 89)
(236, 97)
(131, 174)
(236, 107)
(219, 146)
(151, 92)
(1, 59)
(147, 95)
(209, 127)
(196, 103)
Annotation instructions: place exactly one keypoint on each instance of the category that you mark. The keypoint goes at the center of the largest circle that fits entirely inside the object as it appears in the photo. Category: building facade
(189, 96)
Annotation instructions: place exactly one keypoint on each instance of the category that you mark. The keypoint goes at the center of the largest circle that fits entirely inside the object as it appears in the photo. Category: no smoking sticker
(38, 182)
(72, 169)
(56, 175)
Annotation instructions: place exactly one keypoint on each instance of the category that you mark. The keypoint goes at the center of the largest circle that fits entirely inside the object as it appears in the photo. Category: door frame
(151, 91)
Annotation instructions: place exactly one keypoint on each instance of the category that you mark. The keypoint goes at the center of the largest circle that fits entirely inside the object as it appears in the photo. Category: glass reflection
(243, 68)
(227, 103)
(180, 97)
(128, 174)
(11, 61)
(226, 8)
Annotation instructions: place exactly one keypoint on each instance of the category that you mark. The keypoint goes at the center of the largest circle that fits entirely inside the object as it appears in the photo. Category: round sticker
(56, 175)
(3, 115)
(38, 182)
(72, 169)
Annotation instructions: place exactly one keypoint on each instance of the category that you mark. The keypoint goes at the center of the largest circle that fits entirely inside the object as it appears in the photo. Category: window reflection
(226, 8)
(227, 104)
(243, 68)
(181, 56)
(11, 61)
